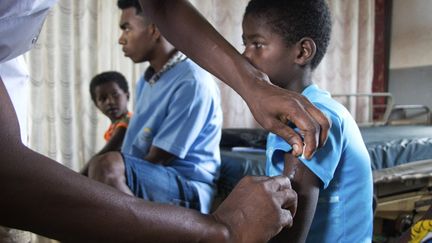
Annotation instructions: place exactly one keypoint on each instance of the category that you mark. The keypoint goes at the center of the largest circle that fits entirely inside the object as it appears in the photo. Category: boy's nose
(110, 100)
(246, 55)
(122, 40)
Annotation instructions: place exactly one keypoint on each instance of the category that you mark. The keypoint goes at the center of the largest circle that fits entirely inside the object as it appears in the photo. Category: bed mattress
(390, 146)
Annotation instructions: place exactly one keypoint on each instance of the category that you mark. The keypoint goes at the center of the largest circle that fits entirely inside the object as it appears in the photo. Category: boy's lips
(112, 111)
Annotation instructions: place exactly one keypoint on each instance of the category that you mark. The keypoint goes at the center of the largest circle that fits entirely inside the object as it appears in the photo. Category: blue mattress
(390, 146)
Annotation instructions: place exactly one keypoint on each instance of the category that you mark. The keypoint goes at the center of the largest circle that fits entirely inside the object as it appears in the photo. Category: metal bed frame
(347, 101)
(392, 114)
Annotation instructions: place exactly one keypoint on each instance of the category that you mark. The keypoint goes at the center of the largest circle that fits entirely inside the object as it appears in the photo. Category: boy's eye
(257, 45)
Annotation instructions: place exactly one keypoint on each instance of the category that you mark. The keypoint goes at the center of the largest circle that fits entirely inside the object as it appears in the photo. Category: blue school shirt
(180, 114)
(344, 208)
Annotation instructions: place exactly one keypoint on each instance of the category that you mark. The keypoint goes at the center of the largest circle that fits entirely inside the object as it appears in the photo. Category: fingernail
(303, 156)
(296, 150)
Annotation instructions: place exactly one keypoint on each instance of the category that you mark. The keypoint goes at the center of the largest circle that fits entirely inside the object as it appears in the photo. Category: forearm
(49, 199)
(115, 142)
(194, 36)
(159, 156)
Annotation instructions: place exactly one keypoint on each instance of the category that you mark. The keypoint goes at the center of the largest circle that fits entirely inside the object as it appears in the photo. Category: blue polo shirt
(344, 209)
(180, 114)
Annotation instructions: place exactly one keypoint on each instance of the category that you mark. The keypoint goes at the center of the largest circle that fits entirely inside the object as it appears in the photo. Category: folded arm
(159, 156)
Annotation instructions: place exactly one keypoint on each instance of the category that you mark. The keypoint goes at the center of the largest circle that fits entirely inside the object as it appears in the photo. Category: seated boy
(110, 93)
(171, 149)
(287, 40)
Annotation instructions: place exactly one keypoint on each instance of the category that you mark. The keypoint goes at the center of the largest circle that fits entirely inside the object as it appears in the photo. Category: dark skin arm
(159, 156)
(116, 141)
(307, 185)
(271, 106)
(114, 144)
(42, 196)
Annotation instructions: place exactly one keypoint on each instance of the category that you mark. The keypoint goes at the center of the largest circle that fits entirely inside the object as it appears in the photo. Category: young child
(287, 39)
(110, 93)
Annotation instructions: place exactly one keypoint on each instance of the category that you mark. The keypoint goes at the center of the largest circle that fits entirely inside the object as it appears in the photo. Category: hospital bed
(400, 147)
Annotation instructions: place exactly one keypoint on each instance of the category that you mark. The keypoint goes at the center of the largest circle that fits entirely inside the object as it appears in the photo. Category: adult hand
(275, 108)
(258, 208)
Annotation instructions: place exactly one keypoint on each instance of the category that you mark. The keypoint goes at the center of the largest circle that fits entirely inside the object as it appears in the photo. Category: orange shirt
(122, 122)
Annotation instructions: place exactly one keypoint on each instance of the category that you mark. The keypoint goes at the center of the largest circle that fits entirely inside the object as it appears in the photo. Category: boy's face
(136, 38)
(267, 51)
(111, 100)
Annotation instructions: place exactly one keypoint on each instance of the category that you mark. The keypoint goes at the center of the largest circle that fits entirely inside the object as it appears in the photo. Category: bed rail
(410, 114)
(373, 107)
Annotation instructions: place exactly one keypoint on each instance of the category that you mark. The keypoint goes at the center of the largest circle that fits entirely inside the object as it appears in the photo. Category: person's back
(287, 40)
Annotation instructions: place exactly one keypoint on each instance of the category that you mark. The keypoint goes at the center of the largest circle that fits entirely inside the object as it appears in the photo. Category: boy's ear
(306, 51)
(155, 31)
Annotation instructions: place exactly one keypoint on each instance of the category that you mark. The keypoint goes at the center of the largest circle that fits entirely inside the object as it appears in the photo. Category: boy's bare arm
(306, 184)
(271, 106)
(115, 142)
(159, 156)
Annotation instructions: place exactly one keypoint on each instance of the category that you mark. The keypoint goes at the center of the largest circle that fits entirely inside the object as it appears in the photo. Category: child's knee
(107, 165)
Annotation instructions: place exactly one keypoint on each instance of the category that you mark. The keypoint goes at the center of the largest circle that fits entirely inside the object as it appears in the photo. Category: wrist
(217, 231)
(252, 82)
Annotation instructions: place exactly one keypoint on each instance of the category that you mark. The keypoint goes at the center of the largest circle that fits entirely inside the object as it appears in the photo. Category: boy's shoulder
(188, 69)
(322, 99)
(188, 73)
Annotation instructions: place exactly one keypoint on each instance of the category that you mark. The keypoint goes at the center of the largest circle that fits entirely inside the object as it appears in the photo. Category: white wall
(410, 78)
(411, 39)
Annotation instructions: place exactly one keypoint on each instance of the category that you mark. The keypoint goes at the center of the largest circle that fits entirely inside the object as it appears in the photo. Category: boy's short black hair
(296, 19)
(106, 77)
(123, 4)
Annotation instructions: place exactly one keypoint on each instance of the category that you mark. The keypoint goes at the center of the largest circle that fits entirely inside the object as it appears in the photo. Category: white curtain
(348, 65)
(78, 40)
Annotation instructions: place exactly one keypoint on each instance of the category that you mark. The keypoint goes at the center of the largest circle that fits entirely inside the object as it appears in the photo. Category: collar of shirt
(153, 76)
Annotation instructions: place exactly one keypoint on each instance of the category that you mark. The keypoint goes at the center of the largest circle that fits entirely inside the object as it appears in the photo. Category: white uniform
(20, 25)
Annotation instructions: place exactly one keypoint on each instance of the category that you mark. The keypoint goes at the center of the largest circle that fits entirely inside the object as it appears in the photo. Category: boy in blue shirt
(287, 40)
(170, 153)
